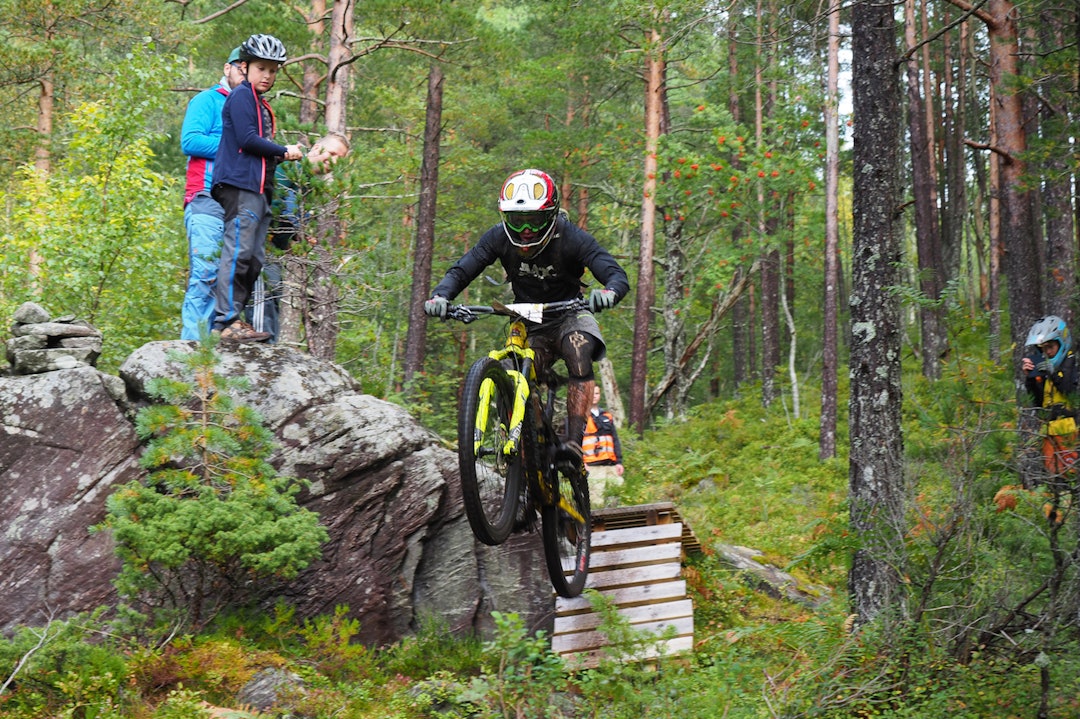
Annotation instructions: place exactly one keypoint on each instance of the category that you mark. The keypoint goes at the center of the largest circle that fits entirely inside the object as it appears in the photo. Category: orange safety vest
(598, 448)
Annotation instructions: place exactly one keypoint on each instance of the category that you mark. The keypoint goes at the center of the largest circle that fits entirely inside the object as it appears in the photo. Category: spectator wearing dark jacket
(243, 184)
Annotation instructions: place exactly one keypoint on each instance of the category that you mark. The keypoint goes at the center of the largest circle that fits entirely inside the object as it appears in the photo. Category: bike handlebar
(527, 311)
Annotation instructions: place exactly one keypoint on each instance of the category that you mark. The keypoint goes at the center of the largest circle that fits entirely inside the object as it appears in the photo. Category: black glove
(602, 299)
(436, 307)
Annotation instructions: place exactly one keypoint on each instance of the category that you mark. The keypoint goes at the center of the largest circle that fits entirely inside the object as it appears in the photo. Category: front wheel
(568, 533)
(490, 478)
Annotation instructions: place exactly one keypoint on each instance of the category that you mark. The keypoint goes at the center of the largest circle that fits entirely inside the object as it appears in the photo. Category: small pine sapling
(213, 520)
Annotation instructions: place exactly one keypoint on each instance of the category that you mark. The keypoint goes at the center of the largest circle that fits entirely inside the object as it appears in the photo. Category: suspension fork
(517, 357)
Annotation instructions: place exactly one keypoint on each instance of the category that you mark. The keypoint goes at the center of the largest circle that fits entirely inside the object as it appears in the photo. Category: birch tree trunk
(323, 298)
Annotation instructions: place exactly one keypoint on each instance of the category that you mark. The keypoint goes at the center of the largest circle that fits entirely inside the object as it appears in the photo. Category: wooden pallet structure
(636, 562)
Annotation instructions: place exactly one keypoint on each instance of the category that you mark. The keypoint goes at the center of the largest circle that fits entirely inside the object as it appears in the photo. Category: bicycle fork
(523, 356)
(517, 415)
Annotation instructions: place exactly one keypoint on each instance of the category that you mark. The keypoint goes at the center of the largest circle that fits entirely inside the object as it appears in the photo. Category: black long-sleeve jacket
(553, 275)
(1056, 392)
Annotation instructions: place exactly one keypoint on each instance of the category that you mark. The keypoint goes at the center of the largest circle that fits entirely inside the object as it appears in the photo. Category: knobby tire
(490, 480)
(567, 541)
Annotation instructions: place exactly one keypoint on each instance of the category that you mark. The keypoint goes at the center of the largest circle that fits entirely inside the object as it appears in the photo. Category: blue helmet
(1051, 329)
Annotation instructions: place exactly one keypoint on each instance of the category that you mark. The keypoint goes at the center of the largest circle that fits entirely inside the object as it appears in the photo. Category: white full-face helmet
(529, 203)
(1051, 329)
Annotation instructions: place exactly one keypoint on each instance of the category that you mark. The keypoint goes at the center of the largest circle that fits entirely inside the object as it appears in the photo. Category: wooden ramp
(637, 563)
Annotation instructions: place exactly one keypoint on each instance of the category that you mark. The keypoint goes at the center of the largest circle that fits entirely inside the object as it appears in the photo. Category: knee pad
(577, 349)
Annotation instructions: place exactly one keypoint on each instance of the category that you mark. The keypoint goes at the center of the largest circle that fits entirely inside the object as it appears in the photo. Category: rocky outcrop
(65, 442)
(385, 487)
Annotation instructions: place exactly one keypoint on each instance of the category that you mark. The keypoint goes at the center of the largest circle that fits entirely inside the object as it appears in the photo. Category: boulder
(386, 488)
(63, 444)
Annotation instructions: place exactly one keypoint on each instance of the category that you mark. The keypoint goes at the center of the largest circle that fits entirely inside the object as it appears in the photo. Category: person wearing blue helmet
(1052, 379)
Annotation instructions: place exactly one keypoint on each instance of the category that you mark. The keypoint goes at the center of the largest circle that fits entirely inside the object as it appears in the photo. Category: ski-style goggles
(520, 221)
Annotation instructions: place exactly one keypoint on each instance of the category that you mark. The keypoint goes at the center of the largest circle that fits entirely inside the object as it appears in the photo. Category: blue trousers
(204, 223)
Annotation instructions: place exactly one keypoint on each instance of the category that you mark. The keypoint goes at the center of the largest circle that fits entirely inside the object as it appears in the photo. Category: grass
(740, 475)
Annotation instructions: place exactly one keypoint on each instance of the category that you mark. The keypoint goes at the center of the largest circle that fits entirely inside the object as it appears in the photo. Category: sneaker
(568, 455)
(240, 331)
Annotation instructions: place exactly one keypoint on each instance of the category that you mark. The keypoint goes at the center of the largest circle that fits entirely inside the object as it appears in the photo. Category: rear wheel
(490, 479)
(568, 533)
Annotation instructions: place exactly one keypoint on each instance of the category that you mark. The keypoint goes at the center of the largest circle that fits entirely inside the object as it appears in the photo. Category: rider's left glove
(602, 299)
(436, 307)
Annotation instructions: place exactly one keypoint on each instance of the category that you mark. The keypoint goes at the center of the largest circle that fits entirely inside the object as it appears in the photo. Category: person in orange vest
(601, 451)
(1052, 379)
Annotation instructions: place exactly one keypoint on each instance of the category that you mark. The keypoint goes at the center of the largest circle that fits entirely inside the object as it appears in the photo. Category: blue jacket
(246, 157)
(199, 137)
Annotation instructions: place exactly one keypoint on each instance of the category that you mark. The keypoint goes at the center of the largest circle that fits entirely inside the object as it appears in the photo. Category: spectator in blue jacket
(243, 184)
(203, 216)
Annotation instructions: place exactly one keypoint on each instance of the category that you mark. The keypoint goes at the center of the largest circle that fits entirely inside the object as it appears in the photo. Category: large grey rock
(63, 444)
(385, 487)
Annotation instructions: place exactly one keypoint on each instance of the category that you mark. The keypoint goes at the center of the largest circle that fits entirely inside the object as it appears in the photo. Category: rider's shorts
(547, 339)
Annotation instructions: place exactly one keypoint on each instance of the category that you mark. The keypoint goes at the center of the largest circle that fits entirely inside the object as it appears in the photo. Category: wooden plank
(591, 658)
(636, 510)
(580, 641)
(637, 535)
(635, 615)
(624, 596)
(634, 575)
(617, 518)
(649, 554)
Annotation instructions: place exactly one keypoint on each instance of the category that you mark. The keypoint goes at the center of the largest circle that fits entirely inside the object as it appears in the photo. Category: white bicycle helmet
(529, 201)
(1048, 329)
(263, 47)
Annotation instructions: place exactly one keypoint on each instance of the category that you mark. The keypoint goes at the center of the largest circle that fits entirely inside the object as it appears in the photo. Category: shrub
(213, 518)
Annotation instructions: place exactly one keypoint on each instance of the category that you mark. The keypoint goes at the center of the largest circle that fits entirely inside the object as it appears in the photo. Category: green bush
(213, 516)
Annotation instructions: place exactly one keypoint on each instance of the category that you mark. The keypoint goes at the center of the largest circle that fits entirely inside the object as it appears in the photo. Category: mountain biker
(544, 256)
(1053, 380)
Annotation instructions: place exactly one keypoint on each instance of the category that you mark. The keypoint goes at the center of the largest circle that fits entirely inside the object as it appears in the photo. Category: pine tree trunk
(830, 362)
(425, 227)
(645, 292)
(927, 235)
(876, 466)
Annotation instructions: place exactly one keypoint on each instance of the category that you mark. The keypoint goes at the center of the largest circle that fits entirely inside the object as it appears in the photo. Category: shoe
(240, 331)
(568, 456)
